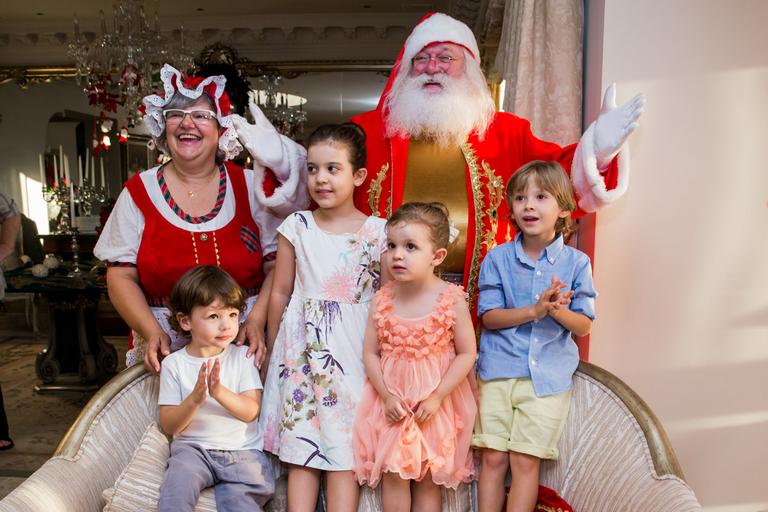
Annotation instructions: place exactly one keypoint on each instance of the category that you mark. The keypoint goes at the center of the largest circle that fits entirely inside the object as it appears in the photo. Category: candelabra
(83, 197)
(87, 194)
(61, 196)
(75, 246)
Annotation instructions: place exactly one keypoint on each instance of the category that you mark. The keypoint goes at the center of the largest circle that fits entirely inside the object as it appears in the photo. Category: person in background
(9, 230)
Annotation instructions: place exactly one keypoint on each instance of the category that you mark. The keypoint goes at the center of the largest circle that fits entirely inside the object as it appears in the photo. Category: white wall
(25, 133)
(682, 259)
(25, 123)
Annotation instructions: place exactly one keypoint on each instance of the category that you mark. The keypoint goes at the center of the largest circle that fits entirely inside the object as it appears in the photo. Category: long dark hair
(351, 135)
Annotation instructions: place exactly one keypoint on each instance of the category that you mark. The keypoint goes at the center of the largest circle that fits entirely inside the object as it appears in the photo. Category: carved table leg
(46, 365)
(76, 347)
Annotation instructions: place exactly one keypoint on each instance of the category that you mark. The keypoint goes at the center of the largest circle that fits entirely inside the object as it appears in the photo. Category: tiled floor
(37, 421)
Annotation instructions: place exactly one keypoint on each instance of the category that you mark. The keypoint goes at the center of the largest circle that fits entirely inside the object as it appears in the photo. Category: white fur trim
(154, 104)
(587, 180)
(267, 146)
(292, 194)
(439, 28)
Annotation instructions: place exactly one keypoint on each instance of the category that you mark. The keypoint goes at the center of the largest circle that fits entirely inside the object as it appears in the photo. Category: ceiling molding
(299, 37)
(292, 43)
(24, 76)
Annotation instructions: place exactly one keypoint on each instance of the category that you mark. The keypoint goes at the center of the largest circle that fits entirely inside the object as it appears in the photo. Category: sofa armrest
(58, 485)
(614, 454)
(94, 451)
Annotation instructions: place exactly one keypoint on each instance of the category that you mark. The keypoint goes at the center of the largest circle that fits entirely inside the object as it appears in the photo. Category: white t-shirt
(212, 426)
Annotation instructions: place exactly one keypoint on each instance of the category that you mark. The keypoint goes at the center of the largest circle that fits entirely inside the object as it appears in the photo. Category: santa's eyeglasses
(444, 61)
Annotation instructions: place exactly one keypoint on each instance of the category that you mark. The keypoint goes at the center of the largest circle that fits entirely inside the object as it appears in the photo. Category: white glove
(614, 125)
(262, 140)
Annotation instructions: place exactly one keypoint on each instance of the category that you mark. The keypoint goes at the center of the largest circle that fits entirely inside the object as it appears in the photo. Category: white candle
(66, 171)
(71, 205)
(42, 171)
(56, 170)
(80, 169)
(103, 183)
(86, 165)
(93, 171)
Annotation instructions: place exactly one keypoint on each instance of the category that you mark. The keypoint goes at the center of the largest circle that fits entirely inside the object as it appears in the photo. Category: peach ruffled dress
(415, 354)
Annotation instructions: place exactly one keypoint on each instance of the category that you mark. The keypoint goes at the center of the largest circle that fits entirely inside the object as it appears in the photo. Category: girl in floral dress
(414, 424)
(326, 272)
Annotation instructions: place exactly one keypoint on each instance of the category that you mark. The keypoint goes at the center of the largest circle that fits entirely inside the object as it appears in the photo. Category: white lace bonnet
(193, 87)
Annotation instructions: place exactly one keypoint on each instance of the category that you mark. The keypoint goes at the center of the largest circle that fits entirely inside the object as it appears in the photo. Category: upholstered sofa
(614, 455)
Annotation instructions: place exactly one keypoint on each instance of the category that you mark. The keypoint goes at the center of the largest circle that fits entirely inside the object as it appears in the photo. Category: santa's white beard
(446, 117)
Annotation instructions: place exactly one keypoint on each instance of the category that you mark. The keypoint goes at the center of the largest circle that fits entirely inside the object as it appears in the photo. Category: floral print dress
(316, 372)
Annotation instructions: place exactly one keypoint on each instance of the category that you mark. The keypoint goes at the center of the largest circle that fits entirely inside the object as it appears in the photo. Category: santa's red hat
(439, 28)
(433, 28)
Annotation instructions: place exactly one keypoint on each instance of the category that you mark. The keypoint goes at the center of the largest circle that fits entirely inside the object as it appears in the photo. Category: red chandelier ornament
(116, 67)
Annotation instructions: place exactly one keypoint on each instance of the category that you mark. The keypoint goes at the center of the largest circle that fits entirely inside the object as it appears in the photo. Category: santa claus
(436, 136)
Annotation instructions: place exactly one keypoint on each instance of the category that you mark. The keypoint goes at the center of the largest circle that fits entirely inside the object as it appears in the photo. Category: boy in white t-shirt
(210, 396)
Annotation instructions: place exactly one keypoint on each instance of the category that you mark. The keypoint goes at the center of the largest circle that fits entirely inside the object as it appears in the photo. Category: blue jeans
(241, 479)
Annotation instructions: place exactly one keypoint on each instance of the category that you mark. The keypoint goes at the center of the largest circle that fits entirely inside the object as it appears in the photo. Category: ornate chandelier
(117, 68)
(285, 111)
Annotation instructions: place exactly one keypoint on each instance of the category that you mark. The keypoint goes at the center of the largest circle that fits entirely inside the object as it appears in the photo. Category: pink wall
(682, 259)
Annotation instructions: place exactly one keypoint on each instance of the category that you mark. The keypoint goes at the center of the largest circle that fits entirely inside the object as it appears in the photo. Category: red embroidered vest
(167, 251)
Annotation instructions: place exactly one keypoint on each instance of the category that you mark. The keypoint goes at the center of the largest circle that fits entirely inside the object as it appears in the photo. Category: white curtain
(540, 57)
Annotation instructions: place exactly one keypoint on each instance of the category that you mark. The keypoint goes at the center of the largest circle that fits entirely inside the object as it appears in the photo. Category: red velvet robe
(507, 145)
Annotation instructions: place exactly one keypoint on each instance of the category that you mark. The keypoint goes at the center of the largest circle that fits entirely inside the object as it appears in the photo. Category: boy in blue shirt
(534, 293)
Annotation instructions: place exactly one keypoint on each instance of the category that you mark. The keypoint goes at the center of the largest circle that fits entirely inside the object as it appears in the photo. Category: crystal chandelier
(284, 111)
(117, 68)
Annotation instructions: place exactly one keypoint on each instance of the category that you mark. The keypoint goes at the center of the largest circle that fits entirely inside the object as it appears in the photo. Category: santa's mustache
(438, 78)
(445, 114)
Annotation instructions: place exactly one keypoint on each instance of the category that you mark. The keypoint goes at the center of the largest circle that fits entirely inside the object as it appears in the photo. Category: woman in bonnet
(198, 209)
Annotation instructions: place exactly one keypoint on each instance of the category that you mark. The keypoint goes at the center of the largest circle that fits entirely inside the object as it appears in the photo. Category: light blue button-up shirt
(541, 350)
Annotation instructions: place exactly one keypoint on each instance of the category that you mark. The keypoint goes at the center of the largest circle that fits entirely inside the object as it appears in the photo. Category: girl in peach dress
(414, 422)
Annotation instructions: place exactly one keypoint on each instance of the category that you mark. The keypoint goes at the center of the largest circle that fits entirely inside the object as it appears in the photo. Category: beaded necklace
(200, 219)
(177, 209)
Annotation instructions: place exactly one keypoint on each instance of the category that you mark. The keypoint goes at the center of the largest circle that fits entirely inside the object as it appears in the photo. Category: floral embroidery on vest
(374, 192)
(494, 186)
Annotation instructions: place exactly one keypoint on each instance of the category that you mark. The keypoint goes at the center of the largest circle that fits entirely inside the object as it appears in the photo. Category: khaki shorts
(513, 419)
